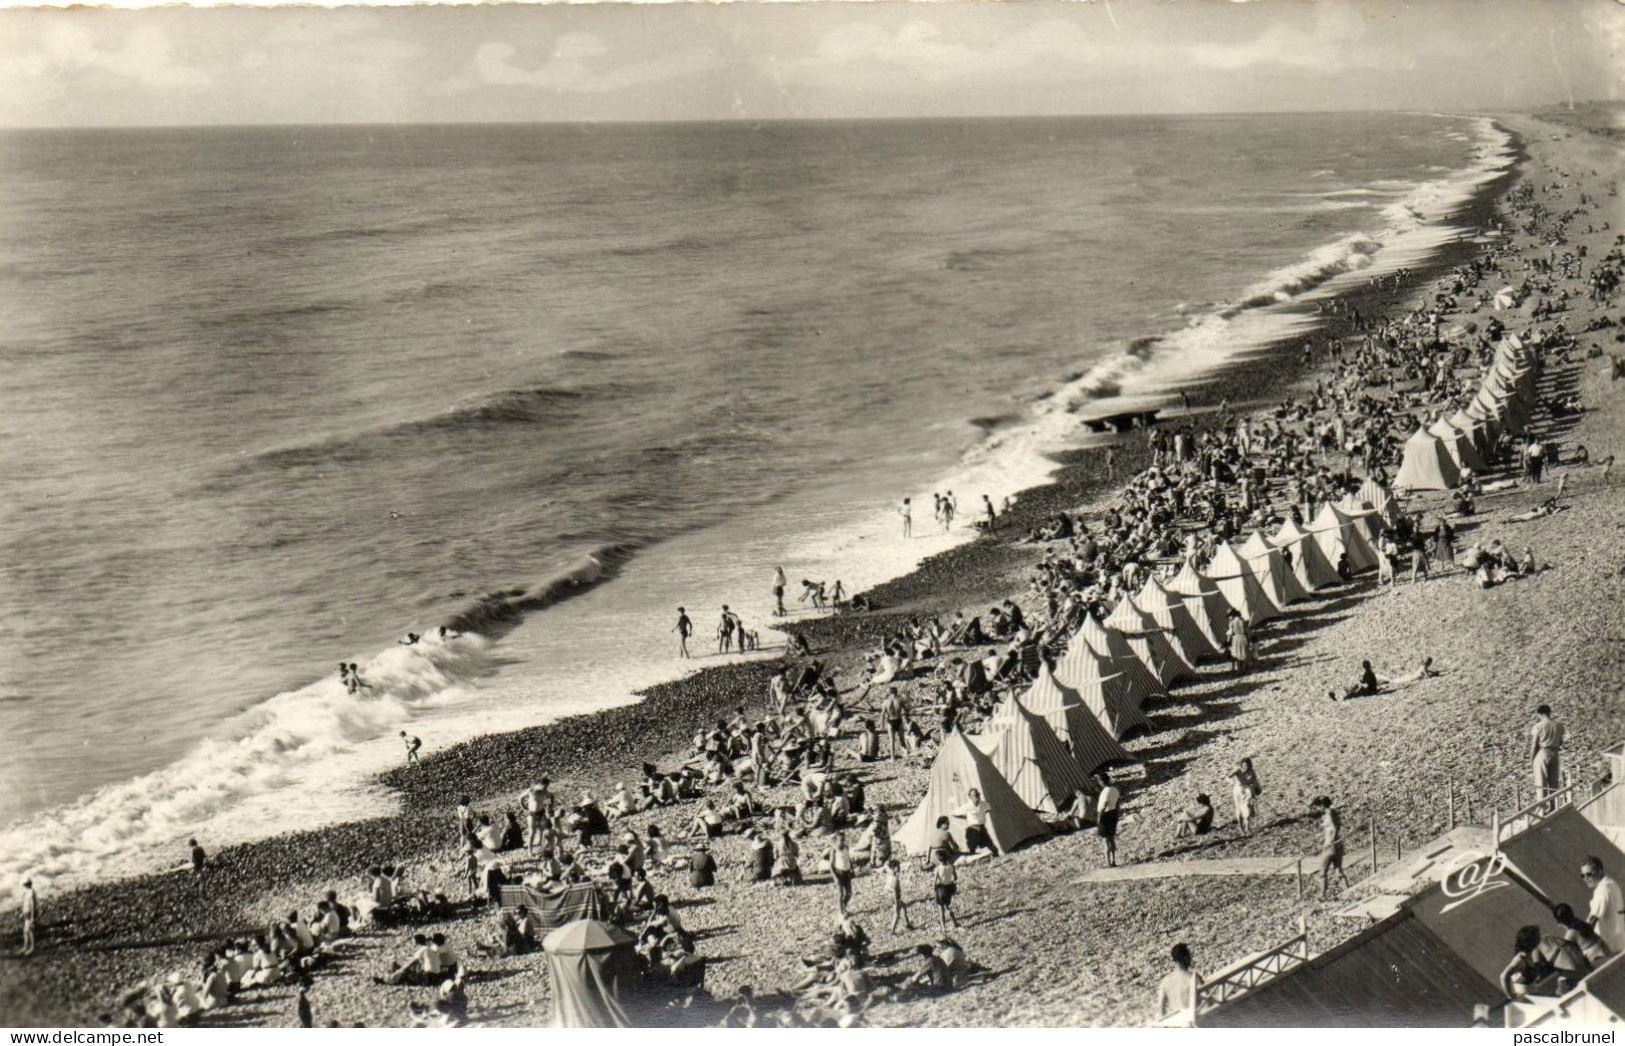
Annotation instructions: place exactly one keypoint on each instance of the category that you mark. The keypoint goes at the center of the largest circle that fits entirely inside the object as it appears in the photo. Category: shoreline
(106, 916)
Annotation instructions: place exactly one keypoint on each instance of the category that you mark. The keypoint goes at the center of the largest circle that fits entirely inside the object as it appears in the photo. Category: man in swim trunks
(684, 628)
(725, 631)
(778, 591)
(412, 745)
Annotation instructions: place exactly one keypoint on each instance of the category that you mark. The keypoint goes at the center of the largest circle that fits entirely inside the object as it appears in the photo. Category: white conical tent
(1427, 465)
(1170, 612)
(1309, 563)
(1238, 585)
(1071, 718)
(1105, 693)
(1339, 536)
(1150, 644)
(1458, 445)
(1028, 754)
(1205, 602)
(958, 768)
(1269, 566)
(1119, 657)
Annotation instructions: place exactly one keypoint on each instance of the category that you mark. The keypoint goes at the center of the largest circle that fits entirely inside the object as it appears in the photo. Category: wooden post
(1396, 848)
(1467, 804)
(1373, 827)
(1450, 803)
(1300, 878)
(1495, 831)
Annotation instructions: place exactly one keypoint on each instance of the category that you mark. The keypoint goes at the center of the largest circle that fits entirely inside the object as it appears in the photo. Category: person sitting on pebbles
(1195, 819)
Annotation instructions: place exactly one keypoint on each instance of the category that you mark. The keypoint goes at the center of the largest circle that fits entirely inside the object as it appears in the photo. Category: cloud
(859, 53)
(145, 55)
(580, 63)
(1332, 44)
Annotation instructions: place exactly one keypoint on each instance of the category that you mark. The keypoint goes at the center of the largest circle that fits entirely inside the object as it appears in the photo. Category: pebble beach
(1051, 950)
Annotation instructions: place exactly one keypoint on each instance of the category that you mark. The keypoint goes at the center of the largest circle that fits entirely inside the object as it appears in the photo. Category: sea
(272, 397)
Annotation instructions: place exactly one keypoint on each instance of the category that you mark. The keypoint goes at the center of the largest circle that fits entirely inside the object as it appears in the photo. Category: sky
(760, 61)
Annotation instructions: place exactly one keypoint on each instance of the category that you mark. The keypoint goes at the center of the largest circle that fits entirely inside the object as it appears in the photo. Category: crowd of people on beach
(787, 784)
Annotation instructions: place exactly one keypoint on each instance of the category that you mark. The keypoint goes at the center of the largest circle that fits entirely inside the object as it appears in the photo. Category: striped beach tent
(1170, 612)
(1269, 566)
(1309, 563)
(1107, 694)
(1071, 718)
(1205, 602)
(1380, 498)
(1338, 536)
(1154, 647)
(959, 767)
(1475, 430)
(1026, 751)
(1112, 648)
(1239, 586)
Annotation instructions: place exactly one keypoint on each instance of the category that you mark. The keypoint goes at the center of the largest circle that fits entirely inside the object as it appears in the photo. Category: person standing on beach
(1111, 463)
(894, 889)
(1331, 844)
(684, 628)
(412, 745)
(30, 913)
(199, 858)
(1245, 790)
(1107, 808)
(908, 518)
(992, 514)
(1545, 752)
(892, 711)
(976, 812)
(778, 591)
(948, 512)
(725, 631)
(945, 883)
(1235, 635)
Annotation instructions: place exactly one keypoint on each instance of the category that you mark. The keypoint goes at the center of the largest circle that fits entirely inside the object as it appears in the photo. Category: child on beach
(945, 883)
(412, 745)
(893, 874)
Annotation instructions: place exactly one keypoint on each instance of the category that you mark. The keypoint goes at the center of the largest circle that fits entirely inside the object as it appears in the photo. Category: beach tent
(587, 963)
(1458, 445)
(1028, 754)
(1169, 611)
(1269, 566)
(1427, 465)
(1338, 536)
(1396, 974)
(1238, 585)
(1381, 499)
(1072, 719)
(1475, 430)
(959, 767)
(1154, 647)
(1106, 692)
(1205, 602)
(1363, 513)
(1309, 563)
(1111, 646)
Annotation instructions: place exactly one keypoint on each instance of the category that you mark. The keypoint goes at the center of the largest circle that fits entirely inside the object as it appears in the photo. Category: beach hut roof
(1108, 695)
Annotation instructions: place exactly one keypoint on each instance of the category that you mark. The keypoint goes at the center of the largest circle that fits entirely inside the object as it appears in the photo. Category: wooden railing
(1242, 977)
